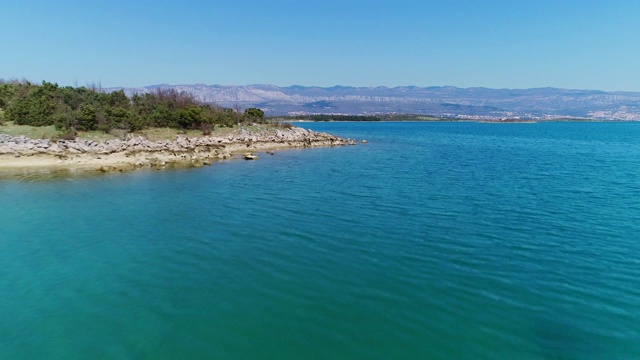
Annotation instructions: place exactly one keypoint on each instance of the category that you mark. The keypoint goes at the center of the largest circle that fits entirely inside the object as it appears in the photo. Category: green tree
(119, 99)
(163, 117)
(135, 121)
(226, 117)
(90, 108)
(190, 117)
(7, 92)
(18, 108)
(86, 117)
(64, 119)
(254, 115)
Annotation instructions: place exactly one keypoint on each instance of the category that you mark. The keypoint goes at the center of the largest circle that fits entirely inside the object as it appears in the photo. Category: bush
(63, 121)
(86, 117)
(135, 122)
(86, 109)
(71, 135)
(254, 115)
(206, 129)
(118, 133)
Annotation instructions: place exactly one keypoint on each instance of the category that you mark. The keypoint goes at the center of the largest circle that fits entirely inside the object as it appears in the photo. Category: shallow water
(434, 240)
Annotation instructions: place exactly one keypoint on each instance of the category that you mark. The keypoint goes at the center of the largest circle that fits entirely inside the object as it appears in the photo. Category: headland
(20, 152)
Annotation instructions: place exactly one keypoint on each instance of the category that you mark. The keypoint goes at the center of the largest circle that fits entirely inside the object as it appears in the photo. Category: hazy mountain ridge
(476, 102)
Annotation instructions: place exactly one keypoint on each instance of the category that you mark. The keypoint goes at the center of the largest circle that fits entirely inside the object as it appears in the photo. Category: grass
(33, 132)
(155, 134)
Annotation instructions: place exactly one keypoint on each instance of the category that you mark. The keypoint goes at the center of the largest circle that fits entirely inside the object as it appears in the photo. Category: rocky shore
(136, 152)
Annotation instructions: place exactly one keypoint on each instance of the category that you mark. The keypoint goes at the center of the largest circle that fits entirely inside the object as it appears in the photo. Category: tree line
(89, 108)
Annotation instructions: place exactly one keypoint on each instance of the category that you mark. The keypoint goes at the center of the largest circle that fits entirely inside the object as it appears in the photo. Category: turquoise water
(432, 241)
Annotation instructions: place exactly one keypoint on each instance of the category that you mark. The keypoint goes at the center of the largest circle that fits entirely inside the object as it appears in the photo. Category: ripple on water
(431, 241)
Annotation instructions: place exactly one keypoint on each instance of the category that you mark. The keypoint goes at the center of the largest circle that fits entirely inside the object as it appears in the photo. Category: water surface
(434, 240)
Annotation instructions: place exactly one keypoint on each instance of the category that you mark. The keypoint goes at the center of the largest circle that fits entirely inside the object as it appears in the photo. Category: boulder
(249, 156)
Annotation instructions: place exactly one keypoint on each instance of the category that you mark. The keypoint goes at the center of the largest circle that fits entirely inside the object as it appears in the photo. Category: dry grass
(153, 134)
(95, 135)
(32, 132)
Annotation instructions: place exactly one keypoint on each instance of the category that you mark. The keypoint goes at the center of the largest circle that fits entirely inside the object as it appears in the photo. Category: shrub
(63, 120)
(254, 115)
(71, 135)
(206, 129)
(85, 109)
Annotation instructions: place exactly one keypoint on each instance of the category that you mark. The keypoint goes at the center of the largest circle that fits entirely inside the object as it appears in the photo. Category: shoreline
(453, 120)
(22, 153)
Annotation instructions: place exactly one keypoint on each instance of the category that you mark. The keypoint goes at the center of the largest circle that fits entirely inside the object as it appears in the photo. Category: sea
(448, 240)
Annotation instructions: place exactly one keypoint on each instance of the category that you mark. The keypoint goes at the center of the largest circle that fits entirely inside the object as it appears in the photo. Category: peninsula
(51, 126)
(139, 151)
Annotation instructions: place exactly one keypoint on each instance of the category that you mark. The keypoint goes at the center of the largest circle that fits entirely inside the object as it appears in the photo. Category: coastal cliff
(137, 152)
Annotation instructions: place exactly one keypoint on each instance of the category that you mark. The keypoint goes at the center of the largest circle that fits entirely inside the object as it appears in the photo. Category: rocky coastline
(138, 152)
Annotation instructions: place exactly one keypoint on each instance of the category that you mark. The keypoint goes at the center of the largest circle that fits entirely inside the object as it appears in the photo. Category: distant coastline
(418, 118)
(474, 103)
(115, 124)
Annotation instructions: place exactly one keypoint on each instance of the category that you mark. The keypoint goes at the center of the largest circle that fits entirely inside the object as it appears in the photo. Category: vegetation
(151, 134)
(89, 108)
(32, 132)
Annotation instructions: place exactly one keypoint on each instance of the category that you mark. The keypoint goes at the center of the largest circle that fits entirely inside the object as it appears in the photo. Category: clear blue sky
(498, 44)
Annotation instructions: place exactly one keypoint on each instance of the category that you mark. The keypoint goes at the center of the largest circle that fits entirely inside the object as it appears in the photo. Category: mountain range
(444, 101)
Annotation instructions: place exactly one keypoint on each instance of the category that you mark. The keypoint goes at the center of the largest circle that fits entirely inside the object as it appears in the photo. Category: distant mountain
(476, 103)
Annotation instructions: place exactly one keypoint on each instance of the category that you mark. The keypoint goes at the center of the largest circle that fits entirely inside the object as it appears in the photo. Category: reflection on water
(43, 174)
(32, 175)
(60, 173)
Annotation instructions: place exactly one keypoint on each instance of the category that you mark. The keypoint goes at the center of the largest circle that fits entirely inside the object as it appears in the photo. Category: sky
(588, 44)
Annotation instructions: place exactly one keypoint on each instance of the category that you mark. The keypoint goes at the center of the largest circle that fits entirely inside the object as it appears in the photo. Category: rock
(142, 152)
(249, 156)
